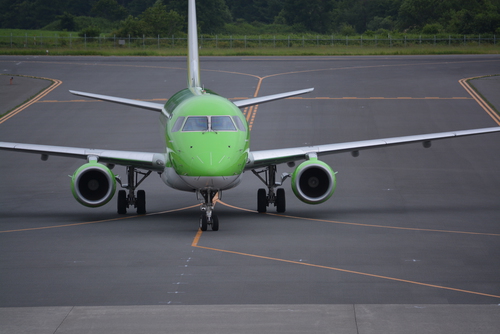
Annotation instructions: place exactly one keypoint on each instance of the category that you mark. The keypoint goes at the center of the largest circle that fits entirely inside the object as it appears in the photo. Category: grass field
(38, 42)
(278, 51)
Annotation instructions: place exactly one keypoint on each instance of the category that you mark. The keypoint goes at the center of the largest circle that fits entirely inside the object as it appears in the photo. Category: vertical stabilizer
(193, 59)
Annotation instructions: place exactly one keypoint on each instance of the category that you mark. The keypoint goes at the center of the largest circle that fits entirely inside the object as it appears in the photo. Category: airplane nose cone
(214, 164)
(210, 163)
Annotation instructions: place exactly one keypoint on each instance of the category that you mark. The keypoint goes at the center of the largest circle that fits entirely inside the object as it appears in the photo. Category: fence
(56, 41)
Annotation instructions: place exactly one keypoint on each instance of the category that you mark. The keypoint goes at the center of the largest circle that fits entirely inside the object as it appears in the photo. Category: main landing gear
(125, 201)
(208, 218)
(273, 195)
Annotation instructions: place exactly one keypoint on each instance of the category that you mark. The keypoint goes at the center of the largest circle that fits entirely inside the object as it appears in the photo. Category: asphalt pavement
(408, 242)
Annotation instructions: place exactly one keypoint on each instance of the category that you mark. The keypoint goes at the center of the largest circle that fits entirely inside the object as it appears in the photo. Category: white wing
(142, 160)
(273, 157)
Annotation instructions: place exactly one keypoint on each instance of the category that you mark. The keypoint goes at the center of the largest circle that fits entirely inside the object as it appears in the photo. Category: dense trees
(166, 17)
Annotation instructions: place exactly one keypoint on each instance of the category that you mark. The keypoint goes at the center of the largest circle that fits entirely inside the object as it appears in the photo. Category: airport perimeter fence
(114, 42)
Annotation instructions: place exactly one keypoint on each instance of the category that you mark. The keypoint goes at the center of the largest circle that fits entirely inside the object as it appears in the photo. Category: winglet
(193, 58)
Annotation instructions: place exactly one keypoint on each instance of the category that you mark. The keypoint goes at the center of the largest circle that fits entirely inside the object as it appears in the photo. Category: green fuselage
(207, 141)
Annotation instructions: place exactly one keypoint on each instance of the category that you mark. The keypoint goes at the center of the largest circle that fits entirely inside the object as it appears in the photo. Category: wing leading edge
(272, 157)
(142, 160)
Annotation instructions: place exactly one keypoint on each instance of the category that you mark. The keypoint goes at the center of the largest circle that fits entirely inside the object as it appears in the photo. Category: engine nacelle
(313, 182)
(93, 184)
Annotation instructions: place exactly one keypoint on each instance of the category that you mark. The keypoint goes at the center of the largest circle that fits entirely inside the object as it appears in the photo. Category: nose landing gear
(208, 218)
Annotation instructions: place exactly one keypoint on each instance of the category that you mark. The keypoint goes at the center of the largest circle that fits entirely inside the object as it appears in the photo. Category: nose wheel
(208, 218)
(205, 222)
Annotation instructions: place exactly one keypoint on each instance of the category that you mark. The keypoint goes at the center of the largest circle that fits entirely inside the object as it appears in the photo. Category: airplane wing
(141, 160)
(258, 159)
(129, 102)
(269, 98)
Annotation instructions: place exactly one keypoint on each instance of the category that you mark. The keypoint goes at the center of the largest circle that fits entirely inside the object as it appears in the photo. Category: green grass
(37, 42)
(264, 51)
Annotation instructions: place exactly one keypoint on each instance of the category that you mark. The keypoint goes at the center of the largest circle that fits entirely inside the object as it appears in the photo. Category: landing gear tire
(261, 200)
(141, 202)
(280, 200)
(203, 222)
(215, 223)
(122, 202)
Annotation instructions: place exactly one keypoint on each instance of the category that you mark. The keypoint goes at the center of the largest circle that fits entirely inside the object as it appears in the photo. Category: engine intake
(313, 182)
(93, 184)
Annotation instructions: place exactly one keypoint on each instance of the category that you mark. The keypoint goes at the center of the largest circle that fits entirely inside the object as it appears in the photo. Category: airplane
(207, 150)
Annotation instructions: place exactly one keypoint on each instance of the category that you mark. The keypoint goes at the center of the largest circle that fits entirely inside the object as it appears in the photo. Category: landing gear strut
(273, 195)
(125, 201)
(208, 218)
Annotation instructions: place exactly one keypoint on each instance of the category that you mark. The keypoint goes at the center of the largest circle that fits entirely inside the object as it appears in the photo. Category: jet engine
(93, 184)
(313, 182)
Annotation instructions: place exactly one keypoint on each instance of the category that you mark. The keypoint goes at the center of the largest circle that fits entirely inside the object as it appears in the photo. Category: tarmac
(15, 90)
(106, 266)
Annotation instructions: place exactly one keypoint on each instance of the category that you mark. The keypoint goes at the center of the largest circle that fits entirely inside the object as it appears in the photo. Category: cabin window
(196, 123)
(222, 123)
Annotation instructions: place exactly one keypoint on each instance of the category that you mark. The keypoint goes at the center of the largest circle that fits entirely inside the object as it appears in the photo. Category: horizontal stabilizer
(269, 98)
(128, 102)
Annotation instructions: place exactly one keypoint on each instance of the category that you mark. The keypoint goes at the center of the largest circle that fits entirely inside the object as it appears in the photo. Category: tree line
(167, 17)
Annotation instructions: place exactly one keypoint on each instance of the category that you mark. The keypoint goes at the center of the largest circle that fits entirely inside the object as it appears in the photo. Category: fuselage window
(196, 123)
(222, 123)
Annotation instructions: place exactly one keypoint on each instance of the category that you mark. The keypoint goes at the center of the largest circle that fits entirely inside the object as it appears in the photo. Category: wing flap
(128, 102)
(142, 160)
(272, 157)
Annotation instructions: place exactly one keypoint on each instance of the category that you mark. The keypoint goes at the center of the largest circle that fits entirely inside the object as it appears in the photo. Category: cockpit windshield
(196, 123)
(222, 123)
(210, 123)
